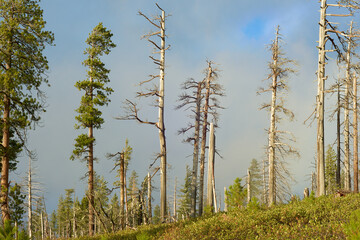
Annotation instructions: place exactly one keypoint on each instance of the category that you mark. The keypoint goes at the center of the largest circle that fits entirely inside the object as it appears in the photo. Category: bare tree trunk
(30, 201)
(74, 218)
(196, 151)
(42, 225)
(175, 218)
(161, 125)
(149, 199)
(225, 200)
(320, 103)
(347, 183)
(355, 126)
(210, 197)
(338, 123)
(248, 186)
(203, 140)
(122, 190)
(272, 129)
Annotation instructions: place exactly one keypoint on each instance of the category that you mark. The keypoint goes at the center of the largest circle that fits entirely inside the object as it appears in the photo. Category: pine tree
(256, 179)
(16, 202)
(23, 40)
(96, 94)
(330, 170)
(235, 195)
(185, 197)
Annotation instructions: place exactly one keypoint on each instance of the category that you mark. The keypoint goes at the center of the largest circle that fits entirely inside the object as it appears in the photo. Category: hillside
(326, 217)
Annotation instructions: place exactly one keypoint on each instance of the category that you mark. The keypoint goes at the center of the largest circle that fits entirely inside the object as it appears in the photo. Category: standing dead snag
(277, 146)
(355, 142)
(159, 92)
(202, 105)
(325, 28)
(186, 99)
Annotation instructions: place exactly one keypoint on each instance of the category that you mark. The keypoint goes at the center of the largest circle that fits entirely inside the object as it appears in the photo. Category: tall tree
(192, 100)
(256, 179)
(278, 149)
(96, 94)
(158, 91)
(326, 30)
(23, 40)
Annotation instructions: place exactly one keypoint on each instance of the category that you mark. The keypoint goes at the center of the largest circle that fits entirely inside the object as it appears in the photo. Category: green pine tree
(96, 94)
(156, 215)
(256, 182)
(185, 201)
(23, 40)
(16, 202)
(330, 170)
(235, 195)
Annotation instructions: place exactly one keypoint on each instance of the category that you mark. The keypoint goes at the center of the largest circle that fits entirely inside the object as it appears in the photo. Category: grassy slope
(321, 218)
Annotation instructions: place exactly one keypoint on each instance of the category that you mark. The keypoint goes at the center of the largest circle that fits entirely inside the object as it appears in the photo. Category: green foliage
(256, 179)
(156, 215)
(16, 204)
(185, 200)
(96, 91)
(352, 228)
(235, 195)
(330, 170)
(8, 231)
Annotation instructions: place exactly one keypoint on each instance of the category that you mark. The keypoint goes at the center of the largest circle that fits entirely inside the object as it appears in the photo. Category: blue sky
(232, 33)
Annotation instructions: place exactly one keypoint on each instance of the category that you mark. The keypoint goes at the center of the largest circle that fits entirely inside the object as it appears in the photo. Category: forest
(126, 120)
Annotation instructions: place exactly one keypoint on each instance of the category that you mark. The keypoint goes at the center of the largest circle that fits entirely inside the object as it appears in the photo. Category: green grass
(326, 217)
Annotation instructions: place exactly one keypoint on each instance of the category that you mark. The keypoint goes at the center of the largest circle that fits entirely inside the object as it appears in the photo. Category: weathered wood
(338, 142)
(210, 192)
(355, 135)
(348, 84)
(149, 199)
(122, 190)
(225, 200)
(306, 193)
(248, 186)
(30, 200)
(320, 104)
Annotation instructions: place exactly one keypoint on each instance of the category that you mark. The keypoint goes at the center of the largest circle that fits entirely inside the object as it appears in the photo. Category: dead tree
(325, 28)
(355, 134)
(193, 102)
(202, 106)
(211, 170)
(279, 71)
(159, 92)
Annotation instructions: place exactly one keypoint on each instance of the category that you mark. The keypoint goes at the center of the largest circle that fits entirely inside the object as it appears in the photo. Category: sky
(234, 34)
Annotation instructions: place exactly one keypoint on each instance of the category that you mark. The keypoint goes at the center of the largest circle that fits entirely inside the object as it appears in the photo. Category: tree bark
(196, 150)
(248, 186)
(91, 176)
(225, 200)
(210, 193)
(355, 126)
(161, 125)
(30, 201)
(203, 140)
(149, 199)
(338, 124)
(272, 129)
(320, 103)
(122, 190)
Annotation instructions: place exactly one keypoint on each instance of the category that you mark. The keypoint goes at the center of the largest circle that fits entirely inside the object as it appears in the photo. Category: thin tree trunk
(225, 200)
(320, 103)
(74, 218)
(196, 151)
(338, 183)
(348, 83)
(248, 186)
(203, 140)
(175, 218)
(210, 197)
(42, 225)
(122, 190)
(91, 176)
(272, 129)
(149, 199)
(29, 201)
(355, 118)
(126, 202)
(265, 198)
(161, 125)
